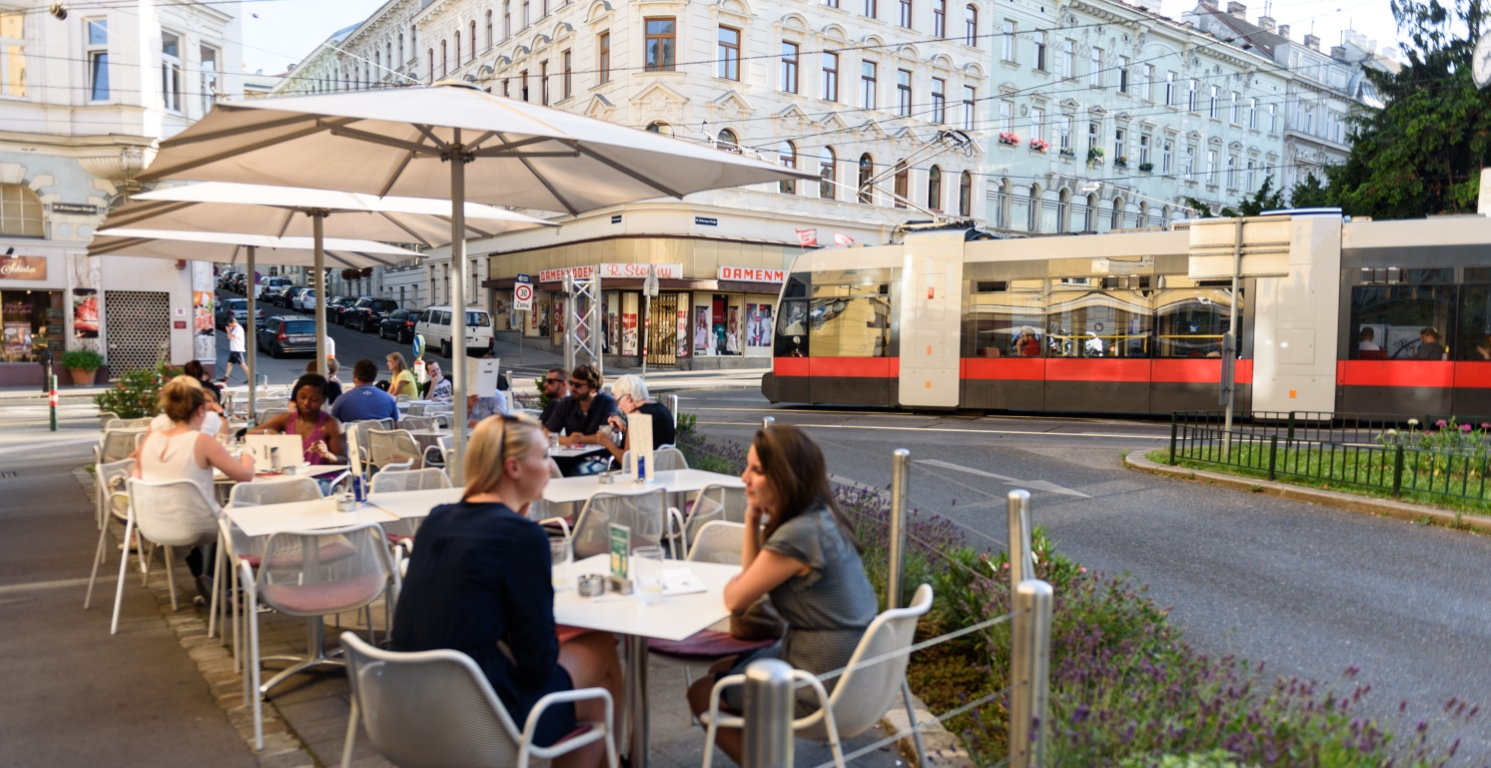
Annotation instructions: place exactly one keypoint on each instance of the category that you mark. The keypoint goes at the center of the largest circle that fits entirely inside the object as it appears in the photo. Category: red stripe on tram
(1395, 373)
(790, 366)
(1097, 369)
(1198, 371)
(855, 367)
(1003, 368)
(1473, 375)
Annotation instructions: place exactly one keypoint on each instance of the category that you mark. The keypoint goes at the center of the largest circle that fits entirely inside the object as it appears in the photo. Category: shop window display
(32, 323)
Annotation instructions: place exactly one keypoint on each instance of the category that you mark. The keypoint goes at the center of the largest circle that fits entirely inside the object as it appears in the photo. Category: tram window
(991, 286)
(1099, 324)
(792, 330)
(1006, 325)
(850, 313)
(1401, 322)
(1189, 322)
(1478, 274)
(797, 286)
(1474, 322)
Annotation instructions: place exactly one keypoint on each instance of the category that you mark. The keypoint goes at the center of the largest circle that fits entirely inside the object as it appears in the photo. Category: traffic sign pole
(522, 302)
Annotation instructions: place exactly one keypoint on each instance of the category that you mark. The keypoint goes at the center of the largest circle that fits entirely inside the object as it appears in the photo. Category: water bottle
(359, 489)
(274, 459)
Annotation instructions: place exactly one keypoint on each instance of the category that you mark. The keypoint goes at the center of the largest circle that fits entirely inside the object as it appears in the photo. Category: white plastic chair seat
(325, 597)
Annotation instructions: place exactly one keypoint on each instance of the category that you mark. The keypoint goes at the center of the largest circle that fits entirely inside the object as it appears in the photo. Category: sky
(280, 32)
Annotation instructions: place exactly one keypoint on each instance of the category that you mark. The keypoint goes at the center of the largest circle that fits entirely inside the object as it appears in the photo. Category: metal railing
(1367, 451)
(770, 684)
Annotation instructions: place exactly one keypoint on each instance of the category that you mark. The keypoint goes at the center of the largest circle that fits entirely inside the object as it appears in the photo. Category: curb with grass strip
(1399, 510)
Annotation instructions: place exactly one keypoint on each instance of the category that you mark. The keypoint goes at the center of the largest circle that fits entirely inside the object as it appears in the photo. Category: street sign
(522, 297)
(650, 284)
(419, 345)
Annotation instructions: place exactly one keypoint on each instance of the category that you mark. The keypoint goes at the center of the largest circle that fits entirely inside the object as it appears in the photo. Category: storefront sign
(706, 221)
(612, 272)
(616, 218)
(75, 208)
(753, 275)
(555, 275)
(23, 267)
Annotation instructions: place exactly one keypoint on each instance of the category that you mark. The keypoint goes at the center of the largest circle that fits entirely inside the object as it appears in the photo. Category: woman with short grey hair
(631, 400)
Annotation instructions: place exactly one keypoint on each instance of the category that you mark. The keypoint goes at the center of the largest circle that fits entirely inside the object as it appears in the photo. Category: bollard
(769, 740)
(673, 409)
(900, 490)
(768, 421)
(1397, 471)
(52, 398)
(1030, 669)
(1273, 454)
(1173, 418)
(1022, 563)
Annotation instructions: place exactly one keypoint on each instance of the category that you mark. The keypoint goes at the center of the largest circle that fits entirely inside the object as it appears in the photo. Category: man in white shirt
(235, 349)
(331, 346)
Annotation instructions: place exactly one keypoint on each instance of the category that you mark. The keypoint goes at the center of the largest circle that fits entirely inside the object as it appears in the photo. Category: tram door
(931, 327)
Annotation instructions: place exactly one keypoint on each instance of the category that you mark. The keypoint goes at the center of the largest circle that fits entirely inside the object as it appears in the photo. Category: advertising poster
(18, 338)
(613, 331)
(763, 329)
(84, 313)
(683, 333)
(204, 340)
(732, 332)
(701, 329)
(629, 333)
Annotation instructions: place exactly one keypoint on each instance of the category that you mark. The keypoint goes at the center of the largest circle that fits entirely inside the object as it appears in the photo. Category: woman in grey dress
(806, 558)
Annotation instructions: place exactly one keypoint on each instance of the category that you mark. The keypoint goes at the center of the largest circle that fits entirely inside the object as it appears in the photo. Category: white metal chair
(434, 709)
(417, 422)
(645, 513)
(313, 574)
(110, 484)
(862, 695)
(285, 491)
(118, 444)
(396, 481)
(718, 542)
(714, 502)
(171, 514)
(664, 459)
(393, 446)
(128, 424)
(269, 413)
(104, 417)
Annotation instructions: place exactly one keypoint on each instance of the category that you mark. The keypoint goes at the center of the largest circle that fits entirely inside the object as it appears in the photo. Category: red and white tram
(1367, 316)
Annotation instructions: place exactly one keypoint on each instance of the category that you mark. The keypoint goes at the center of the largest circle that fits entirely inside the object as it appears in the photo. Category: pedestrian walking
(235, 350)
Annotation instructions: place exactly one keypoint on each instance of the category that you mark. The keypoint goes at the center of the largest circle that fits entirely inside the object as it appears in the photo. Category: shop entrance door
(662, 331)
(138, 325)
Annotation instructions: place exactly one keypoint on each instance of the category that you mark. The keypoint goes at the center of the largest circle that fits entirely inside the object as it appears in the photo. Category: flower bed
(1126, 689)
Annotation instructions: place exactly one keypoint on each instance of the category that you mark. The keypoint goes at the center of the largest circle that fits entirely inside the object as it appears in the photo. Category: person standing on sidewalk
(235, 350)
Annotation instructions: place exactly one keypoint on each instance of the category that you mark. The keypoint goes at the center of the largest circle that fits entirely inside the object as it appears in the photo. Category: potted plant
(1009, 139)
(1121, 162)
(1095, 155)
(1146, 167)
(83, 364)
(1040, 145)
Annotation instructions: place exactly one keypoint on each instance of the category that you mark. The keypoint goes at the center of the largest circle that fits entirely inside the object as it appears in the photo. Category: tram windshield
(849, 314)
(1098, 323)
(1009, 321)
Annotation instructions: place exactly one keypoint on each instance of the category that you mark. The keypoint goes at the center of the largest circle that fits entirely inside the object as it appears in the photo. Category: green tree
(1311, 193)
(1265, 199)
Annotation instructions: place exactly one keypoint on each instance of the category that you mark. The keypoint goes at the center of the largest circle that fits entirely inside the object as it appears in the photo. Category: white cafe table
(575, 451)
(406, 505)
(675, 618)
(560, 490)
(270, 519)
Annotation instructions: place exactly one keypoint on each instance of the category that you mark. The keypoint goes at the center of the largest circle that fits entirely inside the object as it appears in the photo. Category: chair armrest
(716, 720)
(677, 536)
(567, 745)
(823, 702)
(563, 524)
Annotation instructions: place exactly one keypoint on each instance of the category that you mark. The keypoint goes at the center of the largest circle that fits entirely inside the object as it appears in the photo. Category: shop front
(33, 312)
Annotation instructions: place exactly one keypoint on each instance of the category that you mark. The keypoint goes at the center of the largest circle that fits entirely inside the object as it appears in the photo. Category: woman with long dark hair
(806, 557)
(319, 432)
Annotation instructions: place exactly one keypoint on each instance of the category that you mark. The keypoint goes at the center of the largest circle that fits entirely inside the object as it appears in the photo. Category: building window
(965, 194)
(1191, 97)
(1037, 124)
(1211, 168)
(489, 35)
(543, 83)
(660, 128)
(1190, 169)
(1232, 172)
(1006, 117)
(1093, 130)
(789, 67)
(1116, 222)
(1033, 209)
(1040, 53)
(170, 56)
(98, 58)
(523, 85)
(1148, 92)
(939, 100)
(1123, 74)
(1144, 141)
(939, 18)
(728, 66)
(605, 57)
(728, 142)
(399, 63)
(1253, 114)
(1252, 178)
(934, 189)
(871, 10)
(457, 38)
(866, 173)
(1064, 210)
(660, 44)
(527, 19)
(970, 98)
(1211, 110)
(1168, 158)
(432, 68)
(13, 62)
(1119, 145)
(970, 26)
(902, 184)
(507, 19)
(1273, 118)
(1095, 74)
(905, 8)
(568, 75)
(209, 77)
(1236, 108)
(20, 209)
(1007, 41)
(1066, 59)
(903, 92)
(826, 162)
(867, 84)
(830, 83)
(831, 3)
(444, 60)
(1064, 133)
(787, 156)
(1169, 89)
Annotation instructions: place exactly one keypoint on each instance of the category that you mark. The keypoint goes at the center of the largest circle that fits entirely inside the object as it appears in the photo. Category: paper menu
(486, 377)
(621, 548)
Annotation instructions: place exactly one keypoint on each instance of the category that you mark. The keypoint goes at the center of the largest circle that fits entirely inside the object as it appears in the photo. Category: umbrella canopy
(396, 142)
(419, 141)
(287, 212)
(229, 248)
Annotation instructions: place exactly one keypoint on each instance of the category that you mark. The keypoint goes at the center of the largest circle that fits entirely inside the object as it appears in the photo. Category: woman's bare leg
(592, 662)
(729, 740)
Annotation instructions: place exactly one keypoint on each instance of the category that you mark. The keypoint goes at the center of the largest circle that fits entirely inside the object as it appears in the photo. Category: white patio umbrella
(231, 248)
(418, 141)
(317, 213)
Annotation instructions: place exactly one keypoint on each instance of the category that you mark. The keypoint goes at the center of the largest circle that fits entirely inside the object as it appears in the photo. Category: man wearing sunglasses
(556, 388)
(581, 416)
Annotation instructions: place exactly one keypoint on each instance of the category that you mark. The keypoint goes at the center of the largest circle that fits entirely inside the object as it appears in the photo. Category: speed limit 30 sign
(522, 296)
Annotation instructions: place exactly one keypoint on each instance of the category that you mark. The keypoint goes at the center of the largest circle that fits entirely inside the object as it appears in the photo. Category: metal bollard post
(1174, 417)
(1273, 454)
(673, 408)
(769, 740)
(768, 421)
(1397, 471)
(52, 399)
(1022, 562)
(900, 490)
(1030, 670)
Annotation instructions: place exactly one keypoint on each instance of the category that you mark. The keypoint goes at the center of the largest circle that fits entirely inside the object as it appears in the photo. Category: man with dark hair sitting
(365, 401)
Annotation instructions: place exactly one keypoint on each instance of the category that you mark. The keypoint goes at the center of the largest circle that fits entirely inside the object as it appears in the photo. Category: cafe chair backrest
(104, 417)
(118, 444)
(718, 542)
(282, 491)
(111, 486)
(269, 413)
(173, 513)
(396, 481)
(716, 502)
(347, 569)
(393, 446)
(664, 459)
(644, 513)
(128, 424)
(417, 422)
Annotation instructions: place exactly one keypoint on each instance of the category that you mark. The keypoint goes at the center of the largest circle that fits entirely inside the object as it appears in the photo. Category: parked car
(267, 286)
(332, 302)
(288, 297)
(367, 313)
(239, 280)
(436, 328)
(399, 326)
(236, 308)
(339, 315)
(282, 336)
(305, 301)
(225, 279)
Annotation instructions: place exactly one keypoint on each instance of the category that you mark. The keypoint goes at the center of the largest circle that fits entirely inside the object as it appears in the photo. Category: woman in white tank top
(182, 451)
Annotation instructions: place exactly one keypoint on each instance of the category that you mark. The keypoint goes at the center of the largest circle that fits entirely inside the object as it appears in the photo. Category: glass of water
(559, 553)
(647, 564)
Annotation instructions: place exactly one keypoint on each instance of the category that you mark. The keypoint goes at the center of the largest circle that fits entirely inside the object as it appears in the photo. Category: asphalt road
(1308, 589)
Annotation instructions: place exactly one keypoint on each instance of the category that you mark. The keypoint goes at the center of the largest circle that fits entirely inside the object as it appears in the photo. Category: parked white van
(435, 324)
(275, 282)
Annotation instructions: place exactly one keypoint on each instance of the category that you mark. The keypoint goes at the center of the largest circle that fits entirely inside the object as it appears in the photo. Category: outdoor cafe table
(560, 490)
(268, 519)
(675, 618)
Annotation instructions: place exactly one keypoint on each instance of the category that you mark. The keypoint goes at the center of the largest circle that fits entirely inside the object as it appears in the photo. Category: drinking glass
(647, 562)
(559, 553)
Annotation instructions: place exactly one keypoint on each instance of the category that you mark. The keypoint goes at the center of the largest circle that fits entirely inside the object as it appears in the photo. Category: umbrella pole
(318, 281)
(251, 345)
(458, 158)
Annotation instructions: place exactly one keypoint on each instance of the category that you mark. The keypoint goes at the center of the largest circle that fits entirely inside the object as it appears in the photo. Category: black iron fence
(1433, 459)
